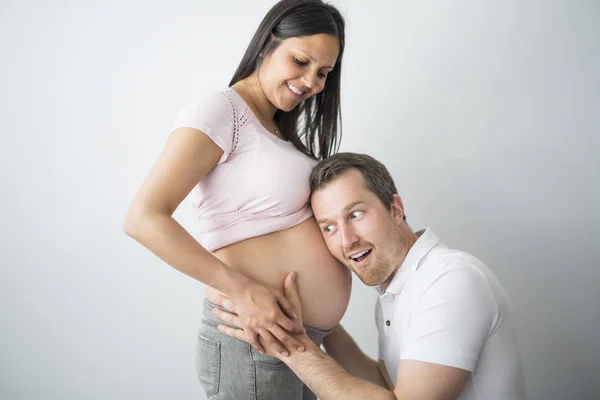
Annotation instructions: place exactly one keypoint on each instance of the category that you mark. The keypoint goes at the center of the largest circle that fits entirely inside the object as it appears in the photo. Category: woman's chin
(288, 102)
(288, 106)
(287, 109)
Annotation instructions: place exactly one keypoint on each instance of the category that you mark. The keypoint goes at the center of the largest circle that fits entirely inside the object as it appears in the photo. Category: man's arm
(326, 378)
(449, 327)
(329, 381)
(416, 379)
(424, 380)
(343, 349)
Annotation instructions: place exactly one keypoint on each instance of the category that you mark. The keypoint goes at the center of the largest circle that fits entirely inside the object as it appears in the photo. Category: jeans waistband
(315, 334)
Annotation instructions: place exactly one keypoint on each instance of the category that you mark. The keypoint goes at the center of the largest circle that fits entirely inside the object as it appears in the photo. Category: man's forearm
(343, 349)
(329, 381)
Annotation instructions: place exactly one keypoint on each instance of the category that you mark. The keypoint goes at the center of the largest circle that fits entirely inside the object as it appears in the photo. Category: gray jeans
(231, 369)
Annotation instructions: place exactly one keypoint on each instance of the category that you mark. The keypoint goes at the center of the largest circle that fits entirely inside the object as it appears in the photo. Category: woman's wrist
(229, 281)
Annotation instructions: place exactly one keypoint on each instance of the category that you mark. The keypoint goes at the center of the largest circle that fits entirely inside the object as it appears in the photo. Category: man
(446, 328)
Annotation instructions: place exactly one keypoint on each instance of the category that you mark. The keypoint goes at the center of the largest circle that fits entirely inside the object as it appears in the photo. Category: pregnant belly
(324, 283)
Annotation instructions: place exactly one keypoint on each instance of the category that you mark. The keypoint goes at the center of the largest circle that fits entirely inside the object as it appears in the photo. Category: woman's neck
(253, 94)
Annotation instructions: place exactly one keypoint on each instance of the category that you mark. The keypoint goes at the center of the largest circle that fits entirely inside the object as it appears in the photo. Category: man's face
(359, 229)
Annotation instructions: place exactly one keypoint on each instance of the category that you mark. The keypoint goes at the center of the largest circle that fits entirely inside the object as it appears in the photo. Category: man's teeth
(295, 89)
(356, 256)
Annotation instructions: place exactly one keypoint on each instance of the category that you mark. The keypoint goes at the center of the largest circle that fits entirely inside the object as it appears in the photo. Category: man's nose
(349, 238)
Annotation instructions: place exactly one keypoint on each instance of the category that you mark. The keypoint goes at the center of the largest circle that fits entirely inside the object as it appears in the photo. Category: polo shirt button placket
(388, 301)
(388, 325)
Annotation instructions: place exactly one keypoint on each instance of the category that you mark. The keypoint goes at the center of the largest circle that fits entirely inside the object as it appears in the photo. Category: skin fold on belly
(324, 283)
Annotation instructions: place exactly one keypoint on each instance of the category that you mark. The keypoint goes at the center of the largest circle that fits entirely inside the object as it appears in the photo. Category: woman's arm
(187, 157)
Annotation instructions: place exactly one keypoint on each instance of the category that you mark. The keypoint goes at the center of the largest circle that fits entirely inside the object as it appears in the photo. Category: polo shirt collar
(426, 241)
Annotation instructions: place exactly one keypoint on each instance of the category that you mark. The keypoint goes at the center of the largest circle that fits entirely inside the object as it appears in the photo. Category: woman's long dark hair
(313, 125)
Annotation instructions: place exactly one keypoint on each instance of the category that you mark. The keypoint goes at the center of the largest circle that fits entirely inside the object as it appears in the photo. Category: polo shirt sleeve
(452, 320)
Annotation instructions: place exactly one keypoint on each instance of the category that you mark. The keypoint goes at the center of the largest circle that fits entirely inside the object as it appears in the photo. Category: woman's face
(297, 69)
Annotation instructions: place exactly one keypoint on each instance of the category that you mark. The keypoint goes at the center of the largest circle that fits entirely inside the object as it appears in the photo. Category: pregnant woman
(246, 153)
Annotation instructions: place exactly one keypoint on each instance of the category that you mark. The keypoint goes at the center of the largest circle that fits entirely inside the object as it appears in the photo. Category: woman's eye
(328, 229)
(297, 61)
(322, 75)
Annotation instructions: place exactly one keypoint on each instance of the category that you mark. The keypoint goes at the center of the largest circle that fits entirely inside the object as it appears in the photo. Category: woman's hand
(264, 312)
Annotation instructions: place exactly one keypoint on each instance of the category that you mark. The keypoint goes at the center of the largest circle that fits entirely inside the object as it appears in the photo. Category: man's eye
(328, 229)
(355, 214)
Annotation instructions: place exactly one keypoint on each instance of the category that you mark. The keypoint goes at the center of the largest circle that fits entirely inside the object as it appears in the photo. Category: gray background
(486, 113)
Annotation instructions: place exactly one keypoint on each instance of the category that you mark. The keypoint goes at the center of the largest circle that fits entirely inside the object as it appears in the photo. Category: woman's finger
(286, 306)
(295, 325)
(252, 337)
(288, 324)
(225, 302)
(290, 291)
(289, 342)
(229, 318)
(234, 332)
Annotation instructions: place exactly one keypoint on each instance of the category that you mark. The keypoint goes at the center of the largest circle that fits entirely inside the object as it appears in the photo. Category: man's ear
(397, 208)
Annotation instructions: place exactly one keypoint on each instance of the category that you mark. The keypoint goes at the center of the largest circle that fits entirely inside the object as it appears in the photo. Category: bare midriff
(324, 283)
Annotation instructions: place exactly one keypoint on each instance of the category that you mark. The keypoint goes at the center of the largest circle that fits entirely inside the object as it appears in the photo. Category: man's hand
(274, 348)
(317, 370)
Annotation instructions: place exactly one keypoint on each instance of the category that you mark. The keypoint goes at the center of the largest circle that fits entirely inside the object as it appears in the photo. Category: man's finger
(229, 318)
(271, 344)
(250, 336)
(286, 339)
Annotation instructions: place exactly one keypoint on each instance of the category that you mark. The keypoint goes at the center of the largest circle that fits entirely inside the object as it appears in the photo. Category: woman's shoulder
(216, 104)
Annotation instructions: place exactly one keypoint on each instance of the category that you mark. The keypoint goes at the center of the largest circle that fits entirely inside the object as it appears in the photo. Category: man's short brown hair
(375, 175)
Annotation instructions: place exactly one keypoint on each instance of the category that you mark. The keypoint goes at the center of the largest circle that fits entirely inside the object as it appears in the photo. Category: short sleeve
(214, 115)
(452, 320)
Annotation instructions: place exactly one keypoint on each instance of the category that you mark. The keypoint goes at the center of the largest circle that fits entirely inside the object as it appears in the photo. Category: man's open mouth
(361, 256)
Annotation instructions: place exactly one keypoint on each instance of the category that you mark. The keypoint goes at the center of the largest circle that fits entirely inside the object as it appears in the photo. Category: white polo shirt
(446, 307)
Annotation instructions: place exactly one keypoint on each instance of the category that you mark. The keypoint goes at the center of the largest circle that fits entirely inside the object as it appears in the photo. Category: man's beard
(380, 270)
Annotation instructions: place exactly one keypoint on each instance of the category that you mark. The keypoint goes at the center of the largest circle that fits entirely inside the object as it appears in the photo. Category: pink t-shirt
(261, 183)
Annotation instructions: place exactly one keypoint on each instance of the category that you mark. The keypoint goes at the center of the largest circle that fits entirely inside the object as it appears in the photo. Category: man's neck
(410, 238)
